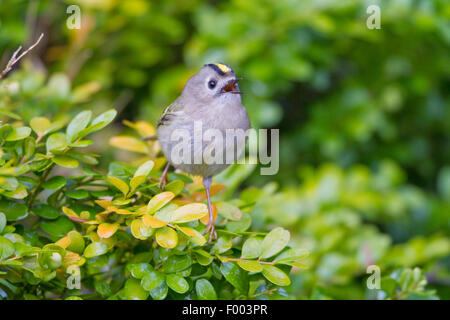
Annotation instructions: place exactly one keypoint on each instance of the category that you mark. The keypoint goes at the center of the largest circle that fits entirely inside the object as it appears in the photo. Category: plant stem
(41, 182)
(259, 261)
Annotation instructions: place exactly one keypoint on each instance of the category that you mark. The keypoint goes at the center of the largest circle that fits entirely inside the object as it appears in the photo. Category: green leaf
(103, 288)
(119, 184)
(228, 211)
(134, 291)
(54, 183)
(81, 143)
(46, 211)
(203, 257)
(29, 147)
(222, 244)
(77, 194)
(2, 221)
(236, 276)
(18, 134)
(13, 211)
(56, 142)
(65, 161)
(275, 275)
(291, 255)
(250, 265)
(10, 184)
(6, 248)
(160, 293)
(205, 290)
(102, 120)
(144, 169)
(251, 248)
(241, 225)
(77, 242)
(83, 157)
(152, 280)
(140, 176)
(175, 186)
(95, 249)
(177, 263)
(58, 227)
(274, 242)
(40, 125)
(78, 123)
(140, 270)
(177, 283)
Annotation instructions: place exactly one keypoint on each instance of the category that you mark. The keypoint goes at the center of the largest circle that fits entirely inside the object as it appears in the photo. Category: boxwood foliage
(70, 231)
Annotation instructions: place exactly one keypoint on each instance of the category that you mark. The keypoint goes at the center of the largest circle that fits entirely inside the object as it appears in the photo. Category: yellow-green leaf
(69, 212)
(140, 230)
(291, 255)
(140, 176)
(275, 275)
(18, 134)
(274, 242)
(250, 265)
(189, 212)
(107, 230)
(129, 143)
(251, 248)
(228, 211)
(77, 124)
(56, 142)
(152, 221)
(295, 264)
(95, 249)
(144, 169)
(167, 237)
(159, 201)
(65, 161)
(195, 236)
(40, 125)
(119, 211)
(119, 184)
(64, 242)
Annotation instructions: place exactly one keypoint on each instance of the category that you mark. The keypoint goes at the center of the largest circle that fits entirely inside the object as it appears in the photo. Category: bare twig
(14, 59)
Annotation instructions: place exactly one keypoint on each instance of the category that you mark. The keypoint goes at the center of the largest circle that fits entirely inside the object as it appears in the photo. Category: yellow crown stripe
(223, 68)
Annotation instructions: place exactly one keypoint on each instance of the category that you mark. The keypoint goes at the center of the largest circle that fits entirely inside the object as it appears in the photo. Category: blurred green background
(364, 115)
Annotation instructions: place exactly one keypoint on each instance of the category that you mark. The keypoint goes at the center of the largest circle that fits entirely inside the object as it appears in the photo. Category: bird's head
(214, 82)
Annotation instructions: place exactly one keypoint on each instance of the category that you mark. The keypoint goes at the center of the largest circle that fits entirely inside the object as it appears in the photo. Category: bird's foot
(211, 231)
(162, 181)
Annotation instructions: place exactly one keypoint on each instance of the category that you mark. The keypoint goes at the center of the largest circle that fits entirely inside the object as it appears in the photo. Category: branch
(14, 59)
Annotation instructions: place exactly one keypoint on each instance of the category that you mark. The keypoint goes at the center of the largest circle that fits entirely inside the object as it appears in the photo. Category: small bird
(211, 96)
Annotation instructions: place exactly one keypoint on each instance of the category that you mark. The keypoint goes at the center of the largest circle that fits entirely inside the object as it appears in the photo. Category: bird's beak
(231, 86)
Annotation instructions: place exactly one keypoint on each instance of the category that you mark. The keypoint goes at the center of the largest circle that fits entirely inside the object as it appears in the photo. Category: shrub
(123, 235)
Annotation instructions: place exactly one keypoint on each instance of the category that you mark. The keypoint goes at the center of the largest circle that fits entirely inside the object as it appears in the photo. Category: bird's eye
(211, 84)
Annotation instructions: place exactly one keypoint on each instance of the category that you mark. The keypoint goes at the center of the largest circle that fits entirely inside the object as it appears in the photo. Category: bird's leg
(210, 227)
(163, 179)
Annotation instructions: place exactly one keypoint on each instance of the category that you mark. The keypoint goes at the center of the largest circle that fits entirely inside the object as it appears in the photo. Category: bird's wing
(171, 112)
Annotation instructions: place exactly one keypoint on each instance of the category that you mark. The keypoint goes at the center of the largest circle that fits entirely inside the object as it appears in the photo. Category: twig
(14, 59)
(41, 182)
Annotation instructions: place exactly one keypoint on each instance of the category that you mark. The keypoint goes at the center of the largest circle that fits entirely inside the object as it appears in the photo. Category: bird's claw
(211, 231)
(162, 182)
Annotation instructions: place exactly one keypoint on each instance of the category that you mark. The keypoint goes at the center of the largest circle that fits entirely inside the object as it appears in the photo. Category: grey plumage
(198, 102)
(219, 107)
